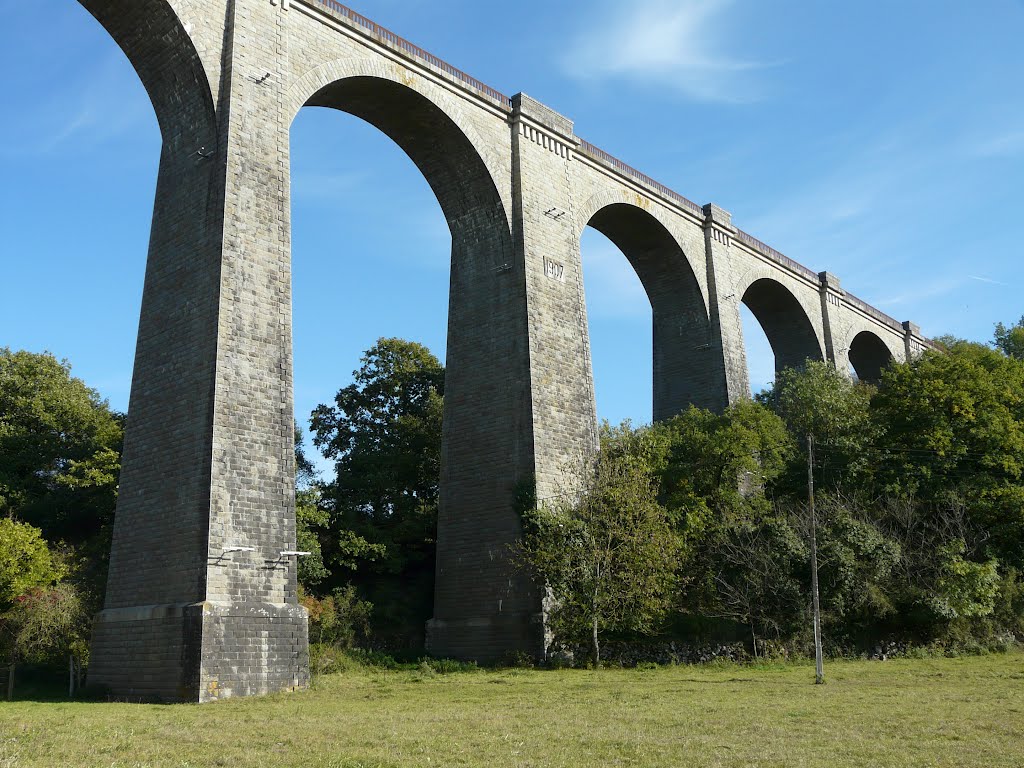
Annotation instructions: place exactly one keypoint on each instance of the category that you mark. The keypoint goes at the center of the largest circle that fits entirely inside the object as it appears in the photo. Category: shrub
(338, 619)
(46, 625)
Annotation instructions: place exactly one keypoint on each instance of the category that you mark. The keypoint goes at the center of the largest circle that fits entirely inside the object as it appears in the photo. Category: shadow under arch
(151, 34)
(437, 146)
(869, 356)
(682, 339)
(785, 323)
(486, 441)
(165, 464)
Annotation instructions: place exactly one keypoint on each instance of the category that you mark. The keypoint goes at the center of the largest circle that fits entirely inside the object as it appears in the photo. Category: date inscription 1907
(554, 270)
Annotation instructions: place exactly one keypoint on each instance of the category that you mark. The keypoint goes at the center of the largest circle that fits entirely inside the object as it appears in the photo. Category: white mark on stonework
(554, 270)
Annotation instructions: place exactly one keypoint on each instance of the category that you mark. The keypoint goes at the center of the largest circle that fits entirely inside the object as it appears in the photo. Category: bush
(517, 660)
(449, 666)
(26, 562)
(338, 619)
(46, 625)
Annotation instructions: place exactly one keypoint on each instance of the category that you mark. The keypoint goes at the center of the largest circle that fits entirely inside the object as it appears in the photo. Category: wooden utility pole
(819, 671)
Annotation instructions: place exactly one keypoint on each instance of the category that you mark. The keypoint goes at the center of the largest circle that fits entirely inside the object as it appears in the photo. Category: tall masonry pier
(202, 597)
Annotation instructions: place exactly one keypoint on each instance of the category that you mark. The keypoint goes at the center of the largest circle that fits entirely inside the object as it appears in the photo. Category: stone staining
(200, 604)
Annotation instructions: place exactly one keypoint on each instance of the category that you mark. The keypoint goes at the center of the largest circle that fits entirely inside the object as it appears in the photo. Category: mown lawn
(943, 712)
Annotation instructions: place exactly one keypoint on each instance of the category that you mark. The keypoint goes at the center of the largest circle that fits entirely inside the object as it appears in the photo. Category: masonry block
(201, 602)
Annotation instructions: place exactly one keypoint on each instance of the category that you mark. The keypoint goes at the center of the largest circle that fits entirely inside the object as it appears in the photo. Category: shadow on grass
(45, 685)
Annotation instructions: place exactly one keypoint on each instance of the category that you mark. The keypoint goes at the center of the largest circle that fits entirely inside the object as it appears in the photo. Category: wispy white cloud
(679, 44)
(988, 280)
(941, 286)
(85, 110)
(1006, 144)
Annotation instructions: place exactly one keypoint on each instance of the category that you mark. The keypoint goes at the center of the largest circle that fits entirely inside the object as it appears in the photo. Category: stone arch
(487, 397)
(793, 328)
(682, 337)
(868, 353)
(351, 85)
(670, 221)
(157, 42)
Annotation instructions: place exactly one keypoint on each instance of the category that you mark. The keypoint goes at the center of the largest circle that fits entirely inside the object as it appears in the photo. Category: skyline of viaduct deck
(202, 594)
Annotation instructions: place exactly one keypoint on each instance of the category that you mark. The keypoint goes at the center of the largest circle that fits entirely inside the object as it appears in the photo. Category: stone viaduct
(201, 601)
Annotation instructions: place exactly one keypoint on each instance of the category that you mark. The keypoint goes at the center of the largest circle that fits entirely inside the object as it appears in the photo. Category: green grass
(934, 712)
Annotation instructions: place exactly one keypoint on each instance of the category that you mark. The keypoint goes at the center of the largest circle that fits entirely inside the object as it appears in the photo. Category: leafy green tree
(340, 619)
(952, 417)
(1011, 339)
(964, 589)
(953, 427)
(711, 463)
(59, 448)
(26, 562)
(751, 566)
(821, 401)
(605, 550)
(736, 553)
(384, 434)
(858, 564)
(45, 625)
(311, 521)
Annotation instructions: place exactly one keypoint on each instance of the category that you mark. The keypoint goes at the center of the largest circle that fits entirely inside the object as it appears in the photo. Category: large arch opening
(758, 352)
(784, 322)
(85, 143)
(680, 336)
(121, 264)
(869, 356)
(453, 295)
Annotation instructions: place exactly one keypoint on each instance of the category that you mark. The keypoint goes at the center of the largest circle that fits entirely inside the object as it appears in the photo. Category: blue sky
(882, 141)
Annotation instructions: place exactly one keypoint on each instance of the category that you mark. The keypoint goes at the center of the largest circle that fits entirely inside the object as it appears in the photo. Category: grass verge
(931, 712)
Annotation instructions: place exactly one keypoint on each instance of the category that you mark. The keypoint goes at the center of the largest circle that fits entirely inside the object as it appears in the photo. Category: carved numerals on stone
(285, 4)
(554, 270)
(720, 236)
(834, 299)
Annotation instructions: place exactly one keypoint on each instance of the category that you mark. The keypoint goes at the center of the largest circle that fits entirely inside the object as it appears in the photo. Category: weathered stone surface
(201, 602)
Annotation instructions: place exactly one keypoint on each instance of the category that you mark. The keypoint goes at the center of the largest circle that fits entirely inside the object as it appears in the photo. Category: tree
(45, 625)
(1011, 340)
(59, 448)
(26, 562)
(713, 461)
(384, 434)
(821, 401)
(750, 564)
(953, 427)
(605, 551)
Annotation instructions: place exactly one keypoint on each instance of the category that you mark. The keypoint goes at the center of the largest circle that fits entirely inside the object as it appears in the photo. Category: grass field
(942, 712)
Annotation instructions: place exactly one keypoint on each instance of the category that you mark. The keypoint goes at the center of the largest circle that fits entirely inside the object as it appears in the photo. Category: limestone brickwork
(201, 602)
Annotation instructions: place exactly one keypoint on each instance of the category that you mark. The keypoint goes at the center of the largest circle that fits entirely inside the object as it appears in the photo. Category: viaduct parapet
(201, 601)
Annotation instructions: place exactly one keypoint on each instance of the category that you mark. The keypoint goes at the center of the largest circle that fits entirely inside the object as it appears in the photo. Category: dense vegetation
(692, 531)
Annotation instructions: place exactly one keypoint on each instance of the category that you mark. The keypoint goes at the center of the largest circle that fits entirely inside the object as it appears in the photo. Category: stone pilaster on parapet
(543, 126)
(831, 305)
(915, 343)
(547, 231)
(524, 105)
(724, 304)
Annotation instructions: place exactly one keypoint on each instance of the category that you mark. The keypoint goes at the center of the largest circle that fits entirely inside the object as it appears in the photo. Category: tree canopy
(60, 447)
(604, 549)
(384, 434)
